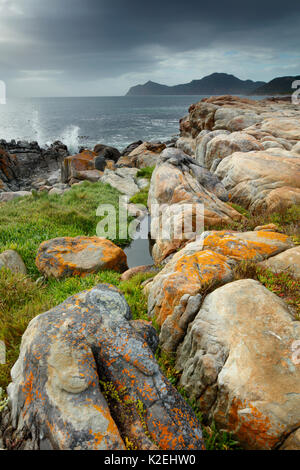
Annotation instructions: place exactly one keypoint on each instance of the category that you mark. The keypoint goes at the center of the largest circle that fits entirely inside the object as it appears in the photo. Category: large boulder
(122, 179)
(86, 379)
(73, 166)
(180, 190)
(175, 293)
(10, 259)
(223, 145)
(238, 363)
(261, 180)
(79, 256)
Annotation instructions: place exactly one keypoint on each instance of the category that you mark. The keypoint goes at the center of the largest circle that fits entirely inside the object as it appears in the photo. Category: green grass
(142, 196)
(25, 223)
(146, 172)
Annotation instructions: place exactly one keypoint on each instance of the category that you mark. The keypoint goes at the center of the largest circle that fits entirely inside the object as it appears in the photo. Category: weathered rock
(10, 259)
(224, 145)
(146, 154)
(147, 331)
(107, 152)
(123, 182)
(270, 127)
(79, 256)
(57, 402)
(288, 261)
(10, 196)
(179, 189)
(237, 363)
(203, 264)
(131, 147)
(260, 180)
(73, 166)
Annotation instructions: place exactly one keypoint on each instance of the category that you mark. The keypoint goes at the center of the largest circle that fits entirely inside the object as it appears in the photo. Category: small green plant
(146, 172)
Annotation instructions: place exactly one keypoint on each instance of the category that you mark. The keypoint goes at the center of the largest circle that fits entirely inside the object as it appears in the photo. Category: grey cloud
(90, 40)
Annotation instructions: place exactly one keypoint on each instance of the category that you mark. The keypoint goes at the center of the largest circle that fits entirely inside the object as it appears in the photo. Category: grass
(142, 196)
(25, 223)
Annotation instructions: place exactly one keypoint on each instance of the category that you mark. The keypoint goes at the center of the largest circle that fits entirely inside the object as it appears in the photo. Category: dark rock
(108, 153)
(130, 148)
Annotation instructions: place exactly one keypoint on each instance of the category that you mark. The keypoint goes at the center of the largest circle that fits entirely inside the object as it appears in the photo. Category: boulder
(288, 261)
(146, 154)
(223, 145)
(106, 152)
(10, 196)
(175, 291)
(260, 180)
(122, 181)
(74, 165)
(238, 364)
(86, 379)
(79, 256)
(180, 191)
(10, 259)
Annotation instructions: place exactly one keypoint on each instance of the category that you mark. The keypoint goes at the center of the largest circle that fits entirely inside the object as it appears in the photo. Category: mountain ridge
(216, 83)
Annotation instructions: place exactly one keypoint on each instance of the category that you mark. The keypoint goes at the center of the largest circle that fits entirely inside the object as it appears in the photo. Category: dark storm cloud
(68, 41)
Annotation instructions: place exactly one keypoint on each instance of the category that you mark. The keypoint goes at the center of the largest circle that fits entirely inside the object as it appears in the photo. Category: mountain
(214, 84)
(277, 86)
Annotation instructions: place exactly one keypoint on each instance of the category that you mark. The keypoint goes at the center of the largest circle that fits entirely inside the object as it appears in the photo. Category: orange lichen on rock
(189, 275)
(63, 257)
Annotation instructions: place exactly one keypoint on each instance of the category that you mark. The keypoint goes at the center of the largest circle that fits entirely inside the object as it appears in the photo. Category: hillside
(277, 86)
(214, 84)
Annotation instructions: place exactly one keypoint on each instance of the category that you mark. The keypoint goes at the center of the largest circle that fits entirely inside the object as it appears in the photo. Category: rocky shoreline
(88, 375)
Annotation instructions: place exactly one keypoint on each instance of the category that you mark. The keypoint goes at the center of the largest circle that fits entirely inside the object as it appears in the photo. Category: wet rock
(79, 256)
(237, 362)
(57, 402)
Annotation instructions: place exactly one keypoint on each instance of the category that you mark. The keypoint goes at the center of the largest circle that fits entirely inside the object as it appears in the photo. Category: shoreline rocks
(252, 146)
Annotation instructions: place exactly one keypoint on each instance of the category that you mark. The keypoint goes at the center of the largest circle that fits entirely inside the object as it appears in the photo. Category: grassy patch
(25, 223)
(141, 197)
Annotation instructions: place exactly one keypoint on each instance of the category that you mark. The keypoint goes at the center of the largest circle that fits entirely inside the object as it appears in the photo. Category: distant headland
(217, 84)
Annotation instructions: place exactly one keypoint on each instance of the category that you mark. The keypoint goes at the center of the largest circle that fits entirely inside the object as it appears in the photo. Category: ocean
(85, 122)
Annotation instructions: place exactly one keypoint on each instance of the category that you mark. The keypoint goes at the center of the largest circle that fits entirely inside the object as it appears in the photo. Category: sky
(103, 47)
